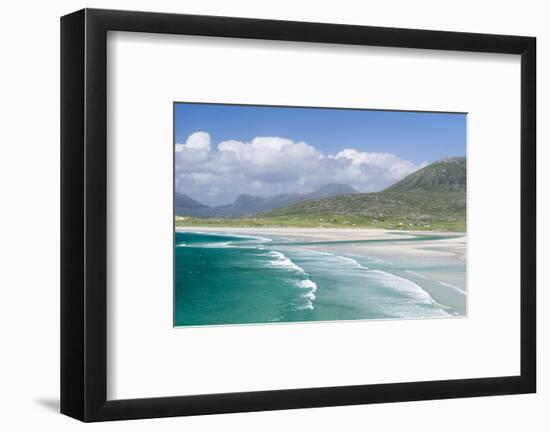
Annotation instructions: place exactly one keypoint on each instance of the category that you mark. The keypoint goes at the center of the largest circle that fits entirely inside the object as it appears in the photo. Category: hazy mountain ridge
(433, 197)
(248, 205)
(184, 201)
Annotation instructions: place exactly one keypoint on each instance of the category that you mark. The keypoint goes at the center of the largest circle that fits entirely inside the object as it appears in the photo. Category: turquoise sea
(223, 279)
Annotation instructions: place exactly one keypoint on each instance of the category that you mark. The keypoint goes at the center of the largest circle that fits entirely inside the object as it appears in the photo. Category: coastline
(438, 248)
(319, 233)
(403, 264)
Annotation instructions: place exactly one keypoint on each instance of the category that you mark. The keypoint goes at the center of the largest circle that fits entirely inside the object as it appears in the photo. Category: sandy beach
(440, 248)
(316, 234)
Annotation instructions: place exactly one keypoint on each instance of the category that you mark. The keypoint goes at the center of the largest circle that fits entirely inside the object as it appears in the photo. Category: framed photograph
(262, 215)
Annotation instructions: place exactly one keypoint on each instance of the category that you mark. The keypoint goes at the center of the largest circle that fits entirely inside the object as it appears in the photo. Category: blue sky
(415, 136)
(222, 151)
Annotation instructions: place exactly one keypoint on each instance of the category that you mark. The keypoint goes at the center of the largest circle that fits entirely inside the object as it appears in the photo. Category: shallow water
(236, 279)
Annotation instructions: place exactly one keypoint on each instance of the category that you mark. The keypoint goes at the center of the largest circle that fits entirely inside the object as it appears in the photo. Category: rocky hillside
(444, 175)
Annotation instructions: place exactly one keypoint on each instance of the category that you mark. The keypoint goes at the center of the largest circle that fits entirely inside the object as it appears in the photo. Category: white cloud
(198, 141)
(396, 168)
(267, 159)
(195, 150)
(267, 166)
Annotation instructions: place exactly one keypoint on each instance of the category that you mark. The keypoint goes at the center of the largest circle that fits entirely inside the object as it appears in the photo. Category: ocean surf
(223, 278)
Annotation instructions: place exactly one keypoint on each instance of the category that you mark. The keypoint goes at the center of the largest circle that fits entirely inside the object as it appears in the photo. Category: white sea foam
(456, 288)
(308, 284)
(410, 290)
(280, 260)
(309, 296)
(378, 261)
(255, 238)
(322, 253)
(351, 261)
(216, 244)
(260, 239)
(336, 258)
(417, 274)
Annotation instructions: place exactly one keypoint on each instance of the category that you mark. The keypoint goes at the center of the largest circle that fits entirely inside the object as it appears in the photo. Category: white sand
(448, 248)
(313, 233)
(454, 248)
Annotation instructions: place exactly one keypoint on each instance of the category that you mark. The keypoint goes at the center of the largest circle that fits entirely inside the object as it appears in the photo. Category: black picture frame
(84, 214)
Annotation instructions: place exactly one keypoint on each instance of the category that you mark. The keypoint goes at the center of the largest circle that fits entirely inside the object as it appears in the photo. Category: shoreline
(343, 233)
(424, 262)
(438, 249)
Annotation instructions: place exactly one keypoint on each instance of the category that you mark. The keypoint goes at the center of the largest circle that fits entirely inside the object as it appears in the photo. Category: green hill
(394, 210)
(444, 175)
(432, 198)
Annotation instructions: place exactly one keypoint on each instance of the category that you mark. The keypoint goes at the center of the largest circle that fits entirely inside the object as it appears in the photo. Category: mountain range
(433, 197)
(249, 205)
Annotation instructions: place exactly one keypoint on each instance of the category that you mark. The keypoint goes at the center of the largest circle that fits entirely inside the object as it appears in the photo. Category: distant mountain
(447, 174)
(184, 201)
(184, 204)
(330, 190)
(248, 205)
